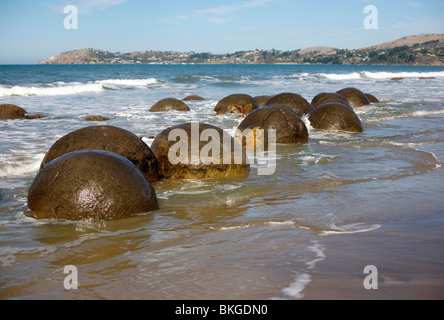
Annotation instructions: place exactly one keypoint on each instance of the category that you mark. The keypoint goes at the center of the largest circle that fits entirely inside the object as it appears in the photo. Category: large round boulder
(288, 126)
(108, 138)
(327, 96)
(335, 116)
(90, 184)
(371, 98)
(11, 111)
(292, 101)
(169, 104)
(355, 97)
(236, 103)
(198, 151)
(193, 97)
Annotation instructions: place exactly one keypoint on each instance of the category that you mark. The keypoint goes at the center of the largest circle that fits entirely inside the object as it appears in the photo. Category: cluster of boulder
(105, 172)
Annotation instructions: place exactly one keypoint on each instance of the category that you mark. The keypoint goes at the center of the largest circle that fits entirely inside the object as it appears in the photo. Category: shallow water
(333, 205)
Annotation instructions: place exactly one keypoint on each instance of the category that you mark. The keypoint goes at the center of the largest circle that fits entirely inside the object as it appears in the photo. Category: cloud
(83, 6)
(219, 15)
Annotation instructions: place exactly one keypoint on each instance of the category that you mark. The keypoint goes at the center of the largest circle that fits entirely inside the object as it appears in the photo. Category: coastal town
(424, 49)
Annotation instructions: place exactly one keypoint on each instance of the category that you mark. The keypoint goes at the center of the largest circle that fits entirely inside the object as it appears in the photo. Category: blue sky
(33, 30)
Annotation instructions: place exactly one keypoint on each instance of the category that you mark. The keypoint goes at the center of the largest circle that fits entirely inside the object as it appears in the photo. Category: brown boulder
(11, 111)
(236, 103)
(193, 97)
(327, 96)
(34, 116)
(335, 116)
(288, 125)
(292, 101)
(187, 156)
(355, 97)
(371, 98)
(90, 184)
(169, 104)
(96, 118)
(261, 100)
(108, 138)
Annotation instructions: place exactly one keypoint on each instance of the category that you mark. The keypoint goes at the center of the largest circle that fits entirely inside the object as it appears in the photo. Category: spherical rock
(292, 101)
(288, 125)
(96, 118)
(108, 138)
(198, 151)
(327, 96)
(371, 98)
(90, 184)
(355, 97)
(335, 116)
(261, 100)
(193, 97)
(11, 111)
(236, 103)
(169, 104)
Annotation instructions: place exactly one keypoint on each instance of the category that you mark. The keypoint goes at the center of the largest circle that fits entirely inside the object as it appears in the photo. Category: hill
(422, 49)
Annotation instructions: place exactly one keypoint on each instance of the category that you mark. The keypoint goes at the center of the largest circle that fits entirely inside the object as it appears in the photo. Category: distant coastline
(422, 49)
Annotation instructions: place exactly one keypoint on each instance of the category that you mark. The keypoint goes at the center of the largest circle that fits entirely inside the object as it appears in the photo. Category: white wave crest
(72, 88)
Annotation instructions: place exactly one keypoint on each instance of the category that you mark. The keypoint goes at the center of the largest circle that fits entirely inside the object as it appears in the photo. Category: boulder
(327, 96)
(96, 118)
(108, 138)
(288, 125)
(193, 97)
(371, 98)
(261, 100)
(11, 111)
(355, 97)
(90, 184)
(34, 116)
(198, 151)
(335, 116)
(236, 103)
(169, 104)
(292, 101)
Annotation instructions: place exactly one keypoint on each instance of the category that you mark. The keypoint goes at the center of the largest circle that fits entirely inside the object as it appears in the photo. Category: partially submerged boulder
(169, 104)
(288, 125)
(198, 151)
(108, 138)
(327, 96)
(11, 112)
(335, 116)
(90, 184)
(355, 97)
(236, 103)
(292, 101)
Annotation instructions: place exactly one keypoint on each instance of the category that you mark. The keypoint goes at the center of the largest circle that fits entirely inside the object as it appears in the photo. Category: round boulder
(371, 98)
(90, 184)
(292, 101)
(335, 116)
(108, 138)
(11, 111)
(169, 104)
(193, 97)
(261, 100)
(198, 151)
(327, 96)
(236, 103)
(355, 97)
(288, 125)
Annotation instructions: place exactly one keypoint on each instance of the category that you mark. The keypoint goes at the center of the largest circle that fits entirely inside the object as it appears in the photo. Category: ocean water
(334, 205)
